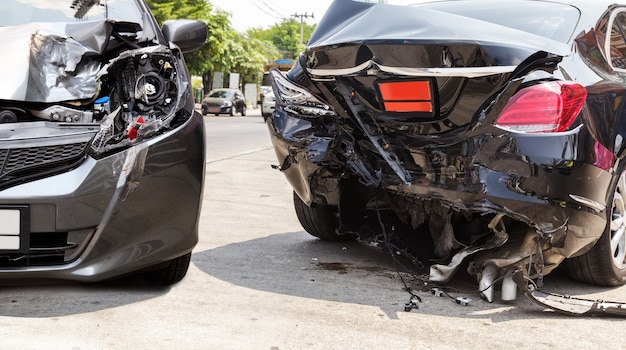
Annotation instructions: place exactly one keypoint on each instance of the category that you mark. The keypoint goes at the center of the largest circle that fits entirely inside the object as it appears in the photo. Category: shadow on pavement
(297, 265)
(43, 299)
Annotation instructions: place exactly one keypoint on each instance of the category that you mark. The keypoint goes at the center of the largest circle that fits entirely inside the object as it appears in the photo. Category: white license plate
(214, 109)
(10, 229)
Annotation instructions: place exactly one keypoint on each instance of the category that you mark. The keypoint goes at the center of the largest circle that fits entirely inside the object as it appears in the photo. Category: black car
(101, 151)
(488, 134)
(224, 101)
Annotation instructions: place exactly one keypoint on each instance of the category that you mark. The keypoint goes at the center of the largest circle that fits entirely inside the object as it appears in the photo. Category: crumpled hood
(49, 62)
(350, 23)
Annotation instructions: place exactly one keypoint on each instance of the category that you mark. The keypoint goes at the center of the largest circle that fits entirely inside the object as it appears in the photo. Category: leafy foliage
(285, 36)
(213, 56)
(226, 50)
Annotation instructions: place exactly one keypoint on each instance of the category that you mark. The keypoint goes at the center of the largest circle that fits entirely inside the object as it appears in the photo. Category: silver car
(268, 105)
(101, 151)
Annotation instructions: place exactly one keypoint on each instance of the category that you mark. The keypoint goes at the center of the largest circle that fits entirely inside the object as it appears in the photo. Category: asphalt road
(257, 281)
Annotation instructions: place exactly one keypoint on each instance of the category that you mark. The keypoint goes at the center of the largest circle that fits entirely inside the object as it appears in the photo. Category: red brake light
(406, 96)
(545, 107)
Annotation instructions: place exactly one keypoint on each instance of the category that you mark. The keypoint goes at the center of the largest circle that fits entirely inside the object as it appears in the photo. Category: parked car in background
(224, 101)
(268, 105)
(102, 152)
(266, 86)
(479, 133)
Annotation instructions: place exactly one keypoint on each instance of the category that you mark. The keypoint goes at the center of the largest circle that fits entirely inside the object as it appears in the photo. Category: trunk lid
(433, 66)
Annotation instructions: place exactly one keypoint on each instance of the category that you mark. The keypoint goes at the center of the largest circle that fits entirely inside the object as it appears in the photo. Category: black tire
(605, 263)
(320, 221)
(173, 271)
(243, 111)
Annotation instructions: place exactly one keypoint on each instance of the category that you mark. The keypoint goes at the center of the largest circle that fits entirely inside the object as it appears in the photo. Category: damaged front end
(414, 140)
(101, 150)
(98, 94)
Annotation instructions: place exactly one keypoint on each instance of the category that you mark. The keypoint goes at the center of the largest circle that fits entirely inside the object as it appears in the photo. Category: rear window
(266, 79)
(549, 20)
(221, 94)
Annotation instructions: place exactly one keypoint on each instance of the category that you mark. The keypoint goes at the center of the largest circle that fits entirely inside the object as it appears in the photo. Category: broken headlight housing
(140, 97)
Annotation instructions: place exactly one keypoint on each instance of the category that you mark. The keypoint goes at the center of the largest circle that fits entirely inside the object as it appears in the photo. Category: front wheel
(320, 221)
(173, 271)
(605, 263)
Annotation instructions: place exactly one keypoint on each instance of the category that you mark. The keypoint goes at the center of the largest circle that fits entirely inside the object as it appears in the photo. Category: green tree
(171, 9)
(214, 55)
(249, 55)
(226, 50)
(285, 35)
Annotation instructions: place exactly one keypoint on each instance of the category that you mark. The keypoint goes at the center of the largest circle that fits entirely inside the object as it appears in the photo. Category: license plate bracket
(14, 229)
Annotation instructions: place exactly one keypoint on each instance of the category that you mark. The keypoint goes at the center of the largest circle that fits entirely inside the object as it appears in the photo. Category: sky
(246, 14)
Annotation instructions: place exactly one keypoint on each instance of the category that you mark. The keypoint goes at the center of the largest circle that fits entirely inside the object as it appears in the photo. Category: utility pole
(302, 17)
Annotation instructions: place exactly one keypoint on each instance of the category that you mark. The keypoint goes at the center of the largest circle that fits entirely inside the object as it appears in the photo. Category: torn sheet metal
(54, 62)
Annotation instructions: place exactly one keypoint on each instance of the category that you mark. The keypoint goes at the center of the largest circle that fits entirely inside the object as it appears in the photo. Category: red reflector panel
(406, 96)
(545, 107)
(406, 90)
(409, 106)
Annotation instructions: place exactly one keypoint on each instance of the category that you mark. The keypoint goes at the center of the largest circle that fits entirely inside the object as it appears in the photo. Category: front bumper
(208, 109)
(120, 214)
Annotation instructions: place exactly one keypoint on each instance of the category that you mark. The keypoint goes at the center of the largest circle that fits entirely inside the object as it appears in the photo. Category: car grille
(19, 165)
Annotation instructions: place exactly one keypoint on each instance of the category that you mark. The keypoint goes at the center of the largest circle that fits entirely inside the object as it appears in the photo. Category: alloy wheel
(618, 224)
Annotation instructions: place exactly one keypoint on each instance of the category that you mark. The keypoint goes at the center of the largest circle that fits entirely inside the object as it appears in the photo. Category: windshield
(221, 93)
(16, 12)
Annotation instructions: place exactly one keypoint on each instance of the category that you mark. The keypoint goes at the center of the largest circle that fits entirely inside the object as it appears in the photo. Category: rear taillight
(545, 107)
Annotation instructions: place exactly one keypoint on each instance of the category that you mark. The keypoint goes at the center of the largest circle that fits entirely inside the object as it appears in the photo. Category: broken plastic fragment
(413, 303)
(463, 301)
(132, 132)
(438, 292)
(106, 131)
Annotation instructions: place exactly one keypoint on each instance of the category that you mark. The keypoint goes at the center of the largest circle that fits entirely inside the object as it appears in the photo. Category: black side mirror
(188, 34)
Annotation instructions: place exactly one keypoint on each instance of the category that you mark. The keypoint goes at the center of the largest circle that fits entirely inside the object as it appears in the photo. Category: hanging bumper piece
(567, 304)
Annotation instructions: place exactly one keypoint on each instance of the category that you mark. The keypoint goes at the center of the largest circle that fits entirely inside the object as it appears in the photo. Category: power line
(255, 4)
(281, 10)
(273, 8)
